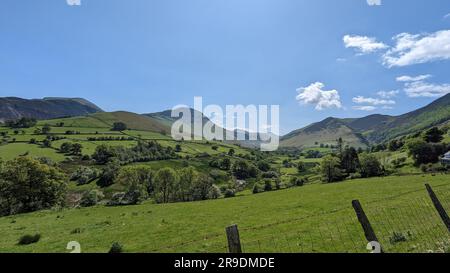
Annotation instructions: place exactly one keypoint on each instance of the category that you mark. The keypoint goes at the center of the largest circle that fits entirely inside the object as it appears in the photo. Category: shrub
(263, 166)
(214, 192)
(397, 237)
(267, 185)
(256, 189)
(270, 174)
(91, 198)
(354, 176)
(242, 169)
(229, 193)
(84, 175)
(116, 199)
(116, 247)
(295, 181)
(29, 239)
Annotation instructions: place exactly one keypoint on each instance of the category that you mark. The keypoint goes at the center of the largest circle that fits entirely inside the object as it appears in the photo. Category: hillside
(324, 132)
(314, 218)
(12, 108)
(371, 129)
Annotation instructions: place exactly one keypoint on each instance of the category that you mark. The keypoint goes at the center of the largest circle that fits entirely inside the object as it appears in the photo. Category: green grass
(13, 150)
(314, 218)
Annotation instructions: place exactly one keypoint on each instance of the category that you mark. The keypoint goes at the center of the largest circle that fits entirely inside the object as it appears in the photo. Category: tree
(21, 123)
(434, 135)
(76, 149)
(330, 169)
(231, 152)
(301, 166)
(187, 177)
(46, 129)
(66, 147)
(165, 180)
(370, 166)
(423, 152)
(349, 160)
(103, 154)
(138, 181)
(242, 170)
(340, 146)
(201, 187)
(119, 126)
(47, 143)
(263, 166)
(26, 185)
(109, 174)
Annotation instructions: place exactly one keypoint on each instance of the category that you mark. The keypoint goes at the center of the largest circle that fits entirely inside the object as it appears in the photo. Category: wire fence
(411, 226)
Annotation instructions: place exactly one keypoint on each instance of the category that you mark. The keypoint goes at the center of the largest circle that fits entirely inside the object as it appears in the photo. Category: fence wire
(411, 226)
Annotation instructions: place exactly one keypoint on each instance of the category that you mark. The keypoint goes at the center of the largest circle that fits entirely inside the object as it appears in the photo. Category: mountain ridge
(13, 108)
(371, 129)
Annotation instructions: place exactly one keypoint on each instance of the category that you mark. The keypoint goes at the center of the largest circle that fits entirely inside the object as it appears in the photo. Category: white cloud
(387, 94)
(423, 89)
(413, 79)
(374, 2)
(447, 16)
(314, 94)
(73, 2)
(419, 48)
(364, 108)
(372, 101)
(363, 44)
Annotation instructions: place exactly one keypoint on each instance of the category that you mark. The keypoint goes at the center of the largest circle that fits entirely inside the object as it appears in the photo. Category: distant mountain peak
(47, 108)
(374, 128)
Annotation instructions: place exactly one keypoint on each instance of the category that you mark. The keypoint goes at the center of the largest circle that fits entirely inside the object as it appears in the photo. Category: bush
(354, 176)
(229, 193)
(214, 192)
(29, 239)
(263, 166)
(84, 175)
(116, 247)
(243, 170)
(91, 198)
(297, 182)
(267, 185)
(270, 174)
(397, 237)
(255, 189)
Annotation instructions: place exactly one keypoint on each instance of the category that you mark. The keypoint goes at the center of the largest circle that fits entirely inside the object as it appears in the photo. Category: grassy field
(13, 150)
(313, 218)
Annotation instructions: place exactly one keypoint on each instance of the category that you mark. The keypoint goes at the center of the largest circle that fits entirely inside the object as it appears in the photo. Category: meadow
(313, 218)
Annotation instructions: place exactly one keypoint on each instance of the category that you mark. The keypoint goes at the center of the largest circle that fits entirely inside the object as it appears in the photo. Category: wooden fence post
(234, 242)
(364, 221)
(437, 204)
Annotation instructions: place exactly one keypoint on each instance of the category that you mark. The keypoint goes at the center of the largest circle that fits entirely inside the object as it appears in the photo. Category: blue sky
(146, 56)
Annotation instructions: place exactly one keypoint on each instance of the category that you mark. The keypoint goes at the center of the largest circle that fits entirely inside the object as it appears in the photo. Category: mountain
(12, 108)
(324, 132)
(165, 118)
(361, 132)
